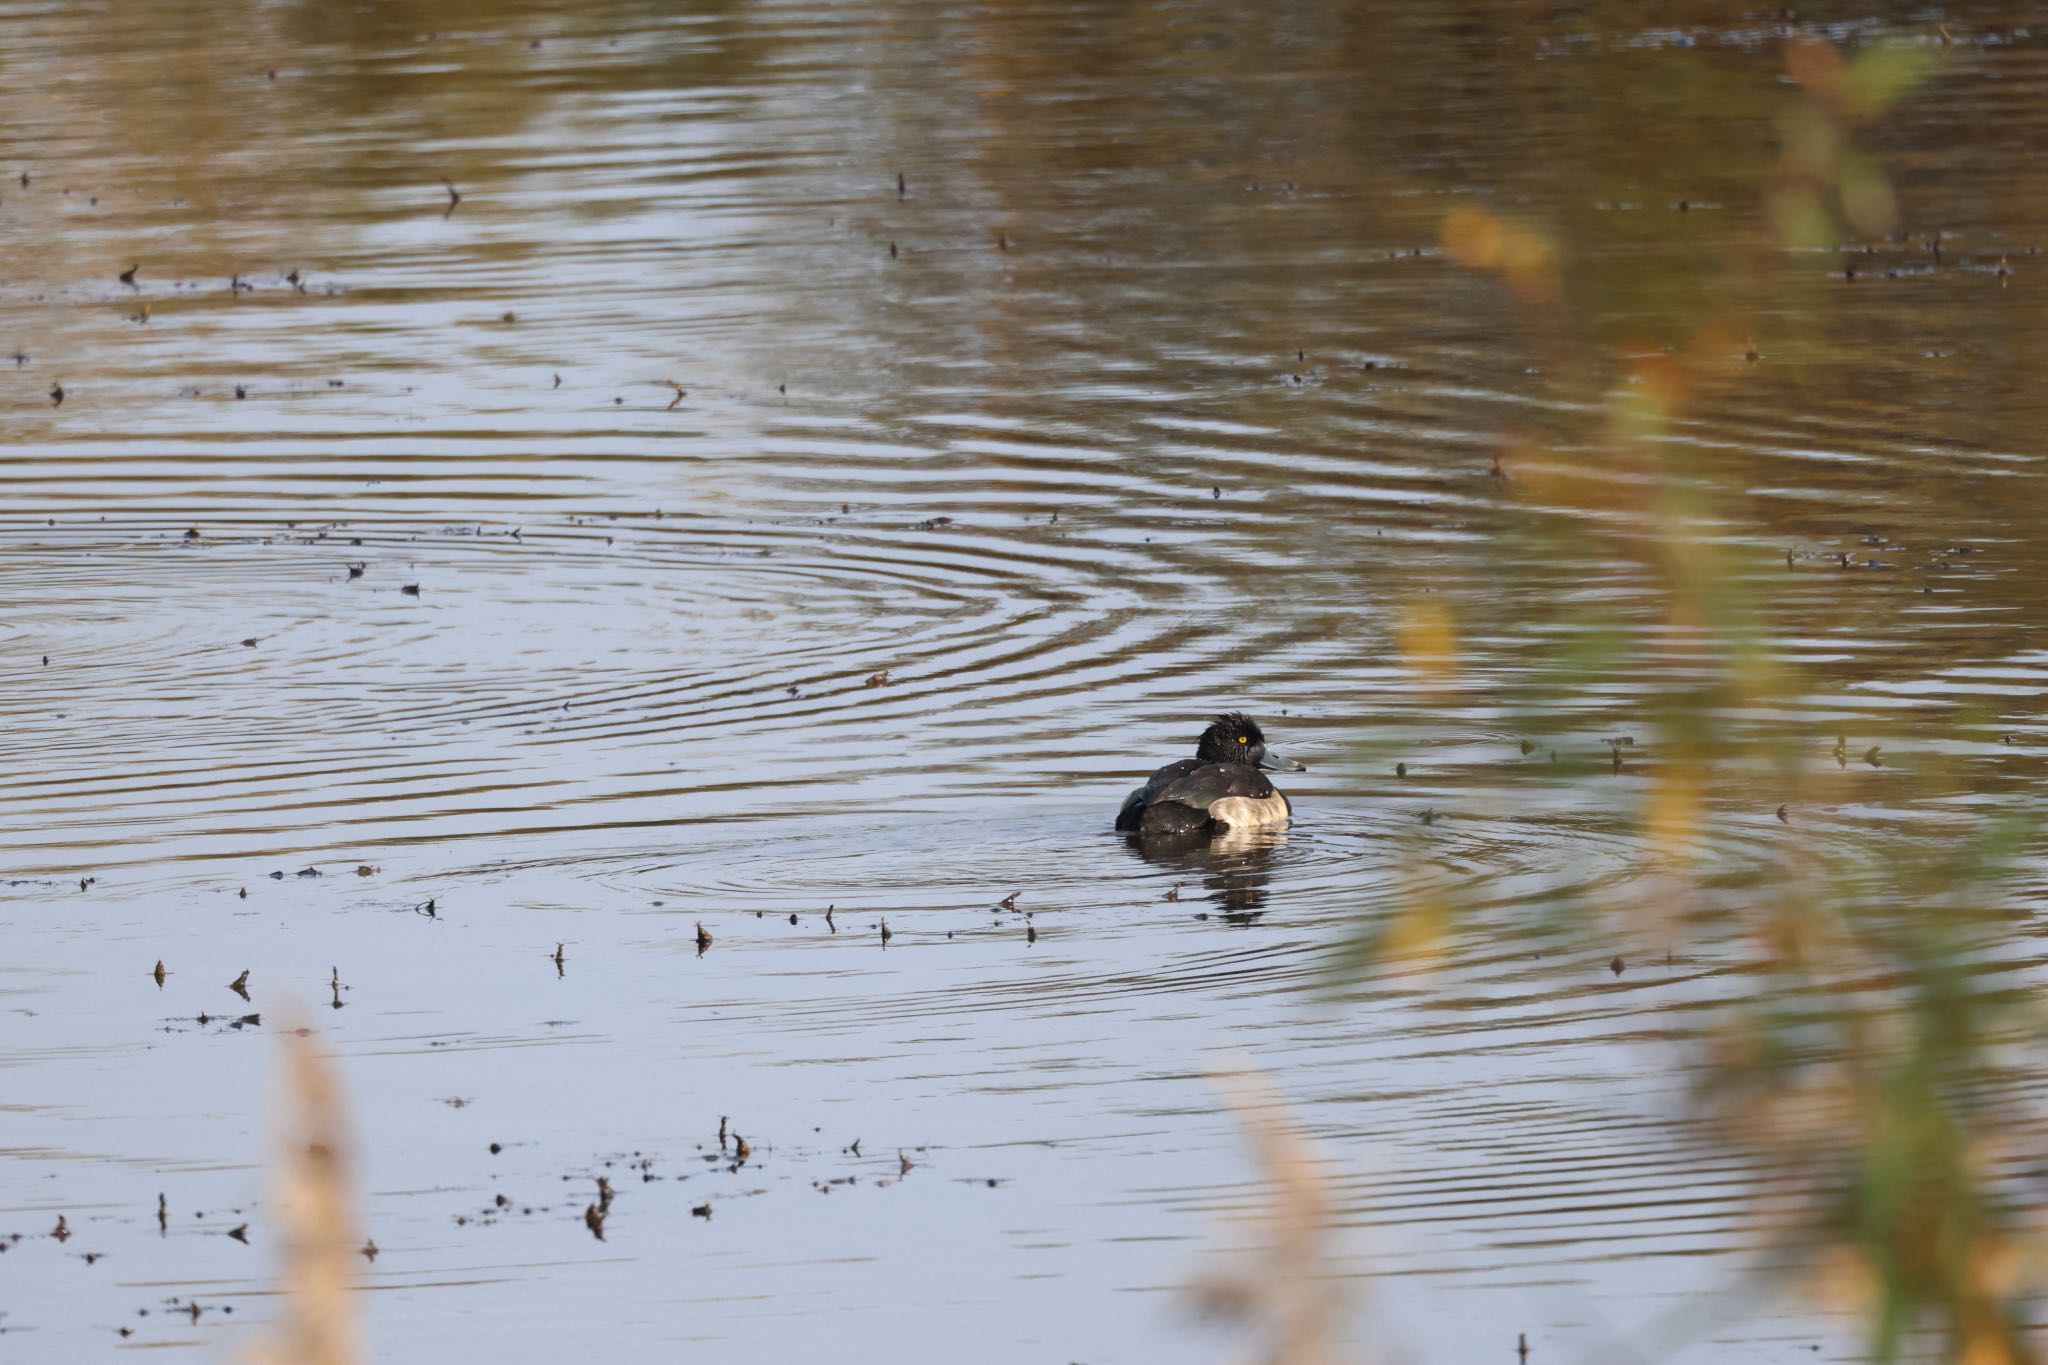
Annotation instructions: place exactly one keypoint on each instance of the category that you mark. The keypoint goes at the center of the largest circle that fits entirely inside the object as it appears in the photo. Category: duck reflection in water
(1235, 867)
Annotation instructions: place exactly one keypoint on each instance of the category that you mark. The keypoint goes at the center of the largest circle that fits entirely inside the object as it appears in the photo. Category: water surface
(1148, 393)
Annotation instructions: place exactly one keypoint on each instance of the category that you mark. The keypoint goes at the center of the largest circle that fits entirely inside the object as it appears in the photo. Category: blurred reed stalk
(316, 1216)
(1285, 1291)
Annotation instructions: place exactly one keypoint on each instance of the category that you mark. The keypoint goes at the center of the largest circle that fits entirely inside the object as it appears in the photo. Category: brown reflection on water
(1167, 400)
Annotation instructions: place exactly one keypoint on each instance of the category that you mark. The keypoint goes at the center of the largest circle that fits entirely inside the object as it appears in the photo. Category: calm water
(1149, 394)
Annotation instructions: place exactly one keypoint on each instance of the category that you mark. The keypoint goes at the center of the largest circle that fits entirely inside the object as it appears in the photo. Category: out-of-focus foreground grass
(1860, 1065)
(319, 1322)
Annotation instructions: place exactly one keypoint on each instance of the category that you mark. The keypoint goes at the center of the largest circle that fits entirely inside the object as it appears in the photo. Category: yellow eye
(1242, 740)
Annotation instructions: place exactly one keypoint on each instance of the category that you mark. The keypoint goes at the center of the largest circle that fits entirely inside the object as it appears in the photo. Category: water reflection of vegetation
(1862, 1064)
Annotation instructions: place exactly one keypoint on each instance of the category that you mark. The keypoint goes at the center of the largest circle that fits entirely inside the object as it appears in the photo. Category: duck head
(1234, 737)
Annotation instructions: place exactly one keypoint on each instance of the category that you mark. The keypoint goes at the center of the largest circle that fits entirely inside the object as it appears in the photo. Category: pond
(492, 488)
